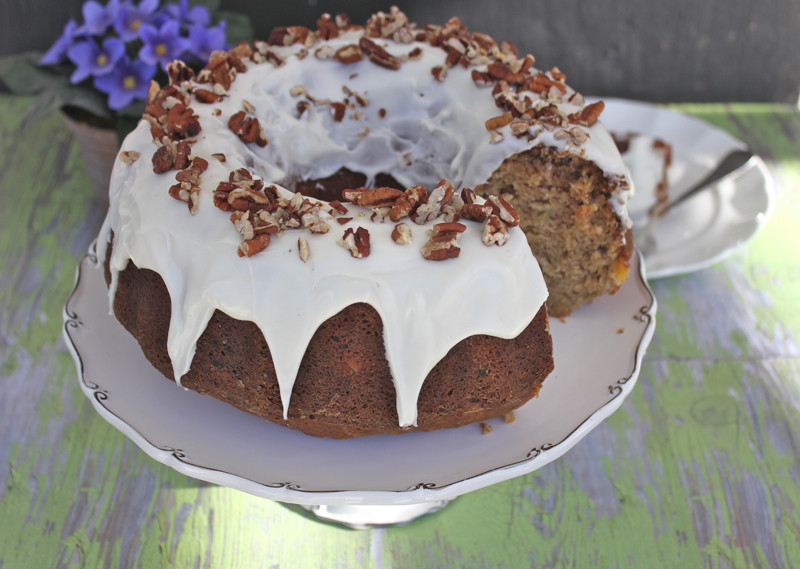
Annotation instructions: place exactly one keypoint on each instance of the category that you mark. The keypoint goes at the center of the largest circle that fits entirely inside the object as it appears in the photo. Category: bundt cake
(372, 275)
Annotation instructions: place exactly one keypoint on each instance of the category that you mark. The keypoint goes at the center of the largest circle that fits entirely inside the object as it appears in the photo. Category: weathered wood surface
(698, 468)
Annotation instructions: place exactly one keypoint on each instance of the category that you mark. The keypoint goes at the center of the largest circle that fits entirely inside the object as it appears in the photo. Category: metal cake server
(732, 166)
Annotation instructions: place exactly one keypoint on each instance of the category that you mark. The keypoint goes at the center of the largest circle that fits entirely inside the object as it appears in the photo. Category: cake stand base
(368, 516)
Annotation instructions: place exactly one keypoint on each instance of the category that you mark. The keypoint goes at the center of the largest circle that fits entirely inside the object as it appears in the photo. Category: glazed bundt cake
(326, 229)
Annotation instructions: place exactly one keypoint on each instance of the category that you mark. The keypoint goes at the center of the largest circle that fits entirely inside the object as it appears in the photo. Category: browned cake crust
(344, 387)
(574, 233)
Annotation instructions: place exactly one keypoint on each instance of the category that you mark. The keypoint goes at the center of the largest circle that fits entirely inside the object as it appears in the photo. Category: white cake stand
(378, 480)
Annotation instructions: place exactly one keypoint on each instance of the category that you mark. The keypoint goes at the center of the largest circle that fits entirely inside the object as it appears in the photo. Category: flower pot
(98, 147)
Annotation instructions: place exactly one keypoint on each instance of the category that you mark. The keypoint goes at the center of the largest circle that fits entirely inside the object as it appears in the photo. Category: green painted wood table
(699, 467)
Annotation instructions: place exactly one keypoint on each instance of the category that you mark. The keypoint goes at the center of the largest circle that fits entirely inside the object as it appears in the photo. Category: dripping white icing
(430, 130)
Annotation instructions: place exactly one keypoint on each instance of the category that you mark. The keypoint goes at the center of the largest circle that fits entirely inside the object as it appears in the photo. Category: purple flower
(162, 45)
(187, 17)
(58, 51)
(128, 81)
(202, 41)
(130, 18)
(98, 18)
(92, 59)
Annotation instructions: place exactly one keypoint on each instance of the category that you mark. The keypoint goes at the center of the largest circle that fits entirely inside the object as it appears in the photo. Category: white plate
(598, 352)
(713, 224)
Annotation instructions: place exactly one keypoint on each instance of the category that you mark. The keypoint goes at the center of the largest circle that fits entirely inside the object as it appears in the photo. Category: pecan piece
(182, 122)
(372, 196)
(302, 249)
(248, 129)
(128, 156)
(357, 242)
(476, 212)
(442, 246)
(588, 115)
(503, 210)
(495, 232)
(164, 158)
(406, 203)
(348, 54)
(401, 234)
(192, 173)
(206, 96)
(250, 247)
(377, 55)
(499, 121)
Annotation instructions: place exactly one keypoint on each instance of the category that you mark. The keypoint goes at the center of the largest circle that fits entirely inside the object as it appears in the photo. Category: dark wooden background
(663, 50)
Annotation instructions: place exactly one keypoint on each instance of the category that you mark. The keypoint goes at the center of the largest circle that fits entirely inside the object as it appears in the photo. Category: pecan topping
(128, 156)
(250, 247)
(192, 173)
(348, 54)
(588, 115)
(302, 249)
(442, 246)
(371, 196)
(495, 232)
(498, 122)
(164, 158)
(475, 212)
(439, 73)
(206, 96)
(377, 55)
(503, 210)
(404, 205)
(401, 234)
(357, 242)
(248, 129)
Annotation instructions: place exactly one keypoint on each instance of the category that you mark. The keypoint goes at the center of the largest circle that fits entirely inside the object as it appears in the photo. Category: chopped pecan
(206, 96)
(248, 129)
(495, 232)
(182, 122)
(357, 242)
(432, 207)
(476, 212)
(338, 206)
(503, 210)
(179, 72)
(164, 158)
(498, 70)
(243, 222)
(404, 205)
(182, 155)
(337, 111)
(588, 115)
(192, 173)
(302, 249)
(250, 247)
(499, 121)
(401, 234)
(442, 246)
(482, 79)
(439, 73)
(377, 55)
(371, 196)
(128, 156)
(348, 54)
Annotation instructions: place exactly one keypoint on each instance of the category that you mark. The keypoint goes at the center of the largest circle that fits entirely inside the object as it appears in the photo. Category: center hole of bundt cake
(331, 187)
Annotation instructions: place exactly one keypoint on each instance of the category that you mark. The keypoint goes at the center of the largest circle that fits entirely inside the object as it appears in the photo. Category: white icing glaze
(431, 130)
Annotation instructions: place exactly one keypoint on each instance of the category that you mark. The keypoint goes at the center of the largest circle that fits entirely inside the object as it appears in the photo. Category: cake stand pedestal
(372, 516)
